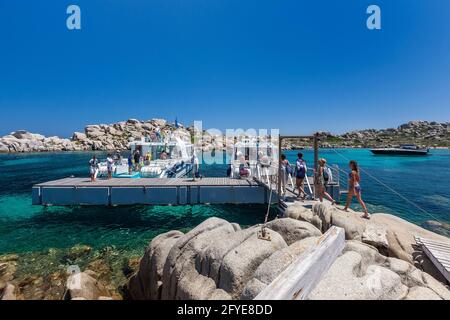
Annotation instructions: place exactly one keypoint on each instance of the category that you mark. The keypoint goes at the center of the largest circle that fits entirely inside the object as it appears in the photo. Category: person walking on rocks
(354, 188)
(321, 182)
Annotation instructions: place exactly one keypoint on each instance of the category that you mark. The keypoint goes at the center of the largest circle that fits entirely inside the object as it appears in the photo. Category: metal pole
(316, 161)
(279, 169)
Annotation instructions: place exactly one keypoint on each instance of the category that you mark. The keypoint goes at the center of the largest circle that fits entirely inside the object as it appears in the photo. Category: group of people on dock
(323, 176)
(110, 161)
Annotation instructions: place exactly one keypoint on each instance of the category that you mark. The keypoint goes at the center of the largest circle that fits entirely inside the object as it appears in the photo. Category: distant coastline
(116, 136)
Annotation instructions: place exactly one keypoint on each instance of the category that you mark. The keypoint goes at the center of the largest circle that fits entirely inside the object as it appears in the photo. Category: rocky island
(116, 136)
(425, 133)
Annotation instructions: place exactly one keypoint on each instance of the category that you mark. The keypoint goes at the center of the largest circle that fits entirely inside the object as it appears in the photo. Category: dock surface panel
(151, 191)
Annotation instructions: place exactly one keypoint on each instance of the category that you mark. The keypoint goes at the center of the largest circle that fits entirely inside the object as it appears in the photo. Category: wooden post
(316, 161)
(279, 169)
(301, 277)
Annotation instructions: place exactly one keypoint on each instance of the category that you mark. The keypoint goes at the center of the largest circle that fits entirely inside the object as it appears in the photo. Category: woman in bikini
(354, 188)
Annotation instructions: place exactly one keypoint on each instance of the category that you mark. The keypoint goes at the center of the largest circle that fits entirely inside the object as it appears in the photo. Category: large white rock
(293, 230)
(180, 262)
(270, 268)
(84, 285)
(8, 292)
(346, 280)
(78, 136)
(22, 134)
(240, 263)
(299, 212)
(376, 235)
(146, 283)
(422, 293)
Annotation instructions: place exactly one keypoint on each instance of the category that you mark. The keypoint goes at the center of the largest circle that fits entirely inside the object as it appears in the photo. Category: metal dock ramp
(439, 254)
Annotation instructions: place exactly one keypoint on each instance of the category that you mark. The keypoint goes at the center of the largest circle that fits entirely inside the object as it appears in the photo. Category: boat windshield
(409, 146)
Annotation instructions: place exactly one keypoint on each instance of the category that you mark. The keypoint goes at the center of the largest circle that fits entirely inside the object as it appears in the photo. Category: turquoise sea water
(25, 228)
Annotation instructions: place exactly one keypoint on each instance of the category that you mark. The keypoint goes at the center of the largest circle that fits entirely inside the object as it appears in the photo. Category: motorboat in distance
(403, 150)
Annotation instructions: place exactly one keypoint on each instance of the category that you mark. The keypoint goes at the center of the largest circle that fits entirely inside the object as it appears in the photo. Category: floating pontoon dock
(176, 191)
(156, 191)
(151, 191)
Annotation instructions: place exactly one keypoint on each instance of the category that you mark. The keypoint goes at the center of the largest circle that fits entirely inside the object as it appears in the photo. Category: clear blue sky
(296, 65)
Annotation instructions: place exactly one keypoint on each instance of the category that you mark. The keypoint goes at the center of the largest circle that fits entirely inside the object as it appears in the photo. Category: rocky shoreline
(424, 133)
(100, 137)
(45, 275)
(220, 260)
(380, 259)
(116, 136)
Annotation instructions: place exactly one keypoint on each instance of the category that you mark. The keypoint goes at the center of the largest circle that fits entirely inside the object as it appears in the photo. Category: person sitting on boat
(148, 158)
(300, 175)
(244, 168)
(321, 184)
(93, 166)
(163, 155)
(354, 188)
(109, 165)
(117, 157)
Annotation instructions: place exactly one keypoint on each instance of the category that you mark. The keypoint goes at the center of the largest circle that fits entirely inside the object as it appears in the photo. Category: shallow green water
(26, 228)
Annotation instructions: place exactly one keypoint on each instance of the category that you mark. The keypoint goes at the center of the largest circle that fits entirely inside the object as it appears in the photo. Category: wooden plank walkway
(439, 254)
(301, 276)
(144, 182)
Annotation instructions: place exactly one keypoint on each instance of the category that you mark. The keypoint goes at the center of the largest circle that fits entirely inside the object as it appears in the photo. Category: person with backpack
(323, 175)
(300, 174)
(286, 171)
(354, 188)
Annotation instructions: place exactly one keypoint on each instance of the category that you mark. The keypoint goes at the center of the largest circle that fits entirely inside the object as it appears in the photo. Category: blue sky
(300, 66)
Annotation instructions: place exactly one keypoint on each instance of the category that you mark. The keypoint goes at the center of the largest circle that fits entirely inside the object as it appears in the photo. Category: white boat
(251, 158)
(119, 166)
(163, 159)
(158, 159)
